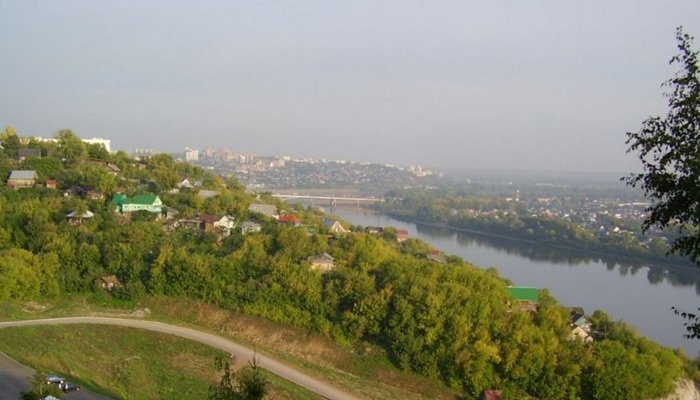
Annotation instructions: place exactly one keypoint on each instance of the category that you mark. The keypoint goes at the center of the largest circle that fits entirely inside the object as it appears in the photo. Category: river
(641, 295)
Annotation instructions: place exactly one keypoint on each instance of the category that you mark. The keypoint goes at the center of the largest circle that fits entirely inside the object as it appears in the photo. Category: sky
(504, 85)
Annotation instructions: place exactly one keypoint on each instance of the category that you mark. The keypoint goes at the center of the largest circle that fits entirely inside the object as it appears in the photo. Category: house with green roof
(526, 297)
(140, 202)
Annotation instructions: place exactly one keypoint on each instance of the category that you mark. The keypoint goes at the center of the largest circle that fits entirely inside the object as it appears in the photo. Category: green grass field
(362, 369)
(125, 363)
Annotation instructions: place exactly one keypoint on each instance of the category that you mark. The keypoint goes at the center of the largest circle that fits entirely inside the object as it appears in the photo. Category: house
(109, 282)
(374, 230)
(22, 179)
(323, 262)
(580, 326)
(185, 184)
(51, 184)
(140, 202)
(75, 191)
(112, 169)
(289, 219)
(268, 210)
(526, 297)
(94, 194)
(84, 192)
(250, 227)
(333, 226)
(23, 154)
(401, 235)
(75, 218)
(227, 222)
(209, 223)
(579, 333)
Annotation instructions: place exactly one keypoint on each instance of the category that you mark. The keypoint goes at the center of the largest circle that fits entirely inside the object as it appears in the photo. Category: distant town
(610, 209)
(284, 172)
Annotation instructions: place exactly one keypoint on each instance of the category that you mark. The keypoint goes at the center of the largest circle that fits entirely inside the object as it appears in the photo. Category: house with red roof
(290, 220)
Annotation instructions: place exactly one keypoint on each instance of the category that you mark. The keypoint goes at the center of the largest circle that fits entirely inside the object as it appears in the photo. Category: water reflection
(675, 275)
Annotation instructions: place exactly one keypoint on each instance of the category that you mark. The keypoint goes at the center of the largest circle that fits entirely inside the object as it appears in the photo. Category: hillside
(90, 221)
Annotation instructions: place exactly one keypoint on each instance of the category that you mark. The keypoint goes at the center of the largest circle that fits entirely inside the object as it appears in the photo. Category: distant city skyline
(522, 86)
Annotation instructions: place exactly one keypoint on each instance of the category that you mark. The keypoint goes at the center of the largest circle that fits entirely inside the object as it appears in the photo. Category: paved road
(276, 367)
(14, 378)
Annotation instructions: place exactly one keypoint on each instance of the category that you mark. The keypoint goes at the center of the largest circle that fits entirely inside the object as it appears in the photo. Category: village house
(333, 226)
(185, 184)
(580, 326)
(140, 202)
(322, 262)
(75, 218)
(51, 183)
(211, 223)
(250, 227)
(526, 297)
(109, 282)
(83, 192)
(401, 235)
(374, 230)
(289, 220)
(112, 169)
(22, 179)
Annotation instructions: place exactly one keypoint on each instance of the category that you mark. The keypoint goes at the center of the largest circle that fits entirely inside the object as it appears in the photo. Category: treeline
(498, 216)
(453, 322)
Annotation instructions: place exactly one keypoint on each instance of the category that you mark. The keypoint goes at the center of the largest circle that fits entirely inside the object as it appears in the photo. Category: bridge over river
(328, 199)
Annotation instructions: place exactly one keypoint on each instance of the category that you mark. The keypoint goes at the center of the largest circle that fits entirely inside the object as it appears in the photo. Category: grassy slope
(125, 363)
(363, 370)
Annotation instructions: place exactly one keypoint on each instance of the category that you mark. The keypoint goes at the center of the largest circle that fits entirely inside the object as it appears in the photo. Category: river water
(640, 294)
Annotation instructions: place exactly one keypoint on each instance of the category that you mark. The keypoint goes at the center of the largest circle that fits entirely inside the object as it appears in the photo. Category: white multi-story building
(191, 154)
(105, 142)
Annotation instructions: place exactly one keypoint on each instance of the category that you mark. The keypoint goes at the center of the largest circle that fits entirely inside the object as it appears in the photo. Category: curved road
(276, 367)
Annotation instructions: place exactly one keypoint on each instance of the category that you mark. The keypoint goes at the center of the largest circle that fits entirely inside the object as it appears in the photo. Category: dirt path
(276, 367)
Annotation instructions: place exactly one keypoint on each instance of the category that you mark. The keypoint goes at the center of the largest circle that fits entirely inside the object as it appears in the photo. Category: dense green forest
(495, 215)
(453, 322)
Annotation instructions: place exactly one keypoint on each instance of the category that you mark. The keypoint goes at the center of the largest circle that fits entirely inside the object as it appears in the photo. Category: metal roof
(23, 174)
(523, 293)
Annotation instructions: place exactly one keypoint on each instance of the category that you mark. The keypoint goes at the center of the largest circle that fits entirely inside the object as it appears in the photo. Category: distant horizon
(451, 85)
(435, 168)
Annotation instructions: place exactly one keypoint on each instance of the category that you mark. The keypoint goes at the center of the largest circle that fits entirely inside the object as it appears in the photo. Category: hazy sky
(527, 85)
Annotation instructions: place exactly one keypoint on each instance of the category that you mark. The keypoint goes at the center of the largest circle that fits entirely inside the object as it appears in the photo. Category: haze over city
(450, 84)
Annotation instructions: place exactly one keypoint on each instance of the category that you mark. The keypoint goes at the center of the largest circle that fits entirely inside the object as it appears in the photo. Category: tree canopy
(669, 149)
(452, 322)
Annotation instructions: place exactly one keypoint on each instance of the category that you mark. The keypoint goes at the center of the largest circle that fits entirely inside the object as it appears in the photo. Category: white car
(55, 379)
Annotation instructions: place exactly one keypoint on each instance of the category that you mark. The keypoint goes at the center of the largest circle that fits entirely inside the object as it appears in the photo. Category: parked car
(68, 387)
(55, 379)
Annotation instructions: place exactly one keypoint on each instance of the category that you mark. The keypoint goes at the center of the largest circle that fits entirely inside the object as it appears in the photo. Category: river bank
(640, 294)
(601, 254)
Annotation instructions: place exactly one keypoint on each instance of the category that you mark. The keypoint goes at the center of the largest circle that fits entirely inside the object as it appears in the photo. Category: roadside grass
(126, 363)
(362, 369)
